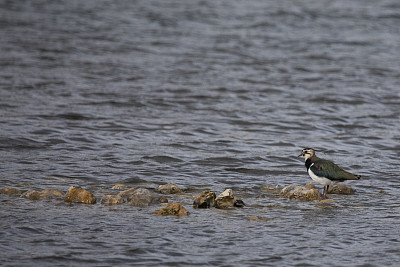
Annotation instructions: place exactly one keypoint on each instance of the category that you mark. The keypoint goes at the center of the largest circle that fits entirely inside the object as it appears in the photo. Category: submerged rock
(175, 209)
(79, 195)
(112, 200)
(168, 189)
(128, 192)
(204, 200)
(298, 192)
(46, 193)
(144, 197)
(341, 189)
(10, 191)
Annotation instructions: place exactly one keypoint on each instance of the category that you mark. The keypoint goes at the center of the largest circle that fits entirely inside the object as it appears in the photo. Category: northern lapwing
(324, 171)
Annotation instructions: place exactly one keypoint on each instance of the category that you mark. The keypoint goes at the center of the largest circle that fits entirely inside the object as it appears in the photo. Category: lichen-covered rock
(298, 192)
(204, 200)
(310, 185)
(225, 200)
(144, 197)
(118, 186)
(112, 200)
(168, 189)
(79, 195)
(10, 191)
(341, 189)
(175, 209)
(46, 193)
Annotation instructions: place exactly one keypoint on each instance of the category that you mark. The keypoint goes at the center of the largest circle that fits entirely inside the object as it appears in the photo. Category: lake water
(205, 95)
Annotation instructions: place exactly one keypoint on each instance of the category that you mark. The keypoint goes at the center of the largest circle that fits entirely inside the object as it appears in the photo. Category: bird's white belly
(321, 180)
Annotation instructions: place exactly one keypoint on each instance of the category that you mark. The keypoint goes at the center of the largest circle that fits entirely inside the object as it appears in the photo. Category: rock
(238, 203)
(144, 197)
(175, 209)
(127, 193)
(168, 189)
(79, 195)
(298, 192)
(341, 189)
(112, 200)
(46, 193)
(31, 195)
(310, 185)
(119, 186)
(225, 200)
(204, 200)
(10, 191)
(257, 219)
(267, 188)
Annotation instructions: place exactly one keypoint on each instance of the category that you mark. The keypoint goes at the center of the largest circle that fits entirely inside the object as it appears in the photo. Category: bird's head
(307, 153)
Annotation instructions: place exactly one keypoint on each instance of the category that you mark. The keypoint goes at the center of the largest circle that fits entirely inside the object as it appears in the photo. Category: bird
(324, 171)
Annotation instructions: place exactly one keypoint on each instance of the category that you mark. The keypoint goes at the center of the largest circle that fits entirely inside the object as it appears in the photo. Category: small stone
(168, 189)
(341, 189)
(298, 192)
(79, 195)
(10, 191)
(257, 219)
(112, 200)
(238, 203)
(118, 186)
(175, 209)
(204, 200)
(225, 200)
(267, 188)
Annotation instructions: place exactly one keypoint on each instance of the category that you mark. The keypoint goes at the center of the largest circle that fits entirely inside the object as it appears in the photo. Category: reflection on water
(205, 95)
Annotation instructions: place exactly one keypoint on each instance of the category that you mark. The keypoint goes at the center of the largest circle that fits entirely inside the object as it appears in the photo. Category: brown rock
(119, 186)
(204, 200)
(341, 189)
(10, 191)
(79, 195)
(298, 192)
(175, 209)
(112, 200)
(31, 195)
(168, 189)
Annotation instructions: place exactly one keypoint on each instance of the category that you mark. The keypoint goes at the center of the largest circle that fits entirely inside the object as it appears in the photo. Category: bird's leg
(323, 193)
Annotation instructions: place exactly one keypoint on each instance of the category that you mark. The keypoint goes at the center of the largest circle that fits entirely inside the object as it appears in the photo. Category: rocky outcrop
(341, 189)
(10, 191)
(79, 195)
(298, 192)
(46, 193)
(112, 200)
(175, 209)
(141, 197)
(168, 189)
(204, 200)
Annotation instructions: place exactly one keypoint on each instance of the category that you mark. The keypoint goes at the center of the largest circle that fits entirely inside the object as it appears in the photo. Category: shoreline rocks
(341, 189)
(112, 200)
(141, 197)
(10, 191)
(46, 193)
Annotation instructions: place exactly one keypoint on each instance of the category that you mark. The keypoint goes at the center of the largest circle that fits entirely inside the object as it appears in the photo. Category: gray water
(204, 94)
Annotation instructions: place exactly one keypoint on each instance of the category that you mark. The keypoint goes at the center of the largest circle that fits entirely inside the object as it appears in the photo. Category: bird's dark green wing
(328, 169)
